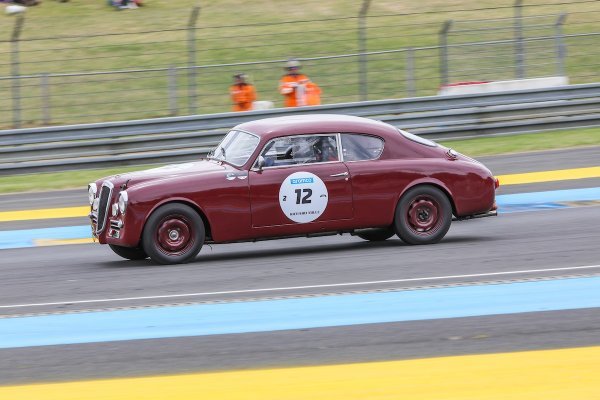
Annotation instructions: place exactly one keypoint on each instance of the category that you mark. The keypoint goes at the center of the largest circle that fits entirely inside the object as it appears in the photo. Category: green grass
(471, 147)
(58, 180)
(231, 31)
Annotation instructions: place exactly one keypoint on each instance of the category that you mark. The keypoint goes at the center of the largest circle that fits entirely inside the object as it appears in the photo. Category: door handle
(340, 174)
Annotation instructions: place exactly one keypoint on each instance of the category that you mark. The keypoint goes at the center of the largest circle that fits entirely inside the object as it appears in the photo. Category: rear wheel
(130, 253)
(377, 234)
(423, 215)
(174, 234)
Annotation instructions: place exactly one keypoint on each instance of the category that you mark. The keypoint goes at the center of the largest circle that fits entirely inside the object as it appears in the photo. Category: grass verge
(472, 147)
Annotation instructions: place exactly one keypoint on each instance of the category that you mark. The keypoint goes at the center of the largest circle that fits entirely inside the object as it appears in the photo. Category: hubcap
(174, 235)
(423, 215)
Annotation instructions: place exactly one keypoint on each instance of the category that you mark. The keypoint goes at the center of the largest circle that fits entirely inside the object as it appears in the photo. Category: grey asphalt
(520, 241)
(510, 242)
(543, 160)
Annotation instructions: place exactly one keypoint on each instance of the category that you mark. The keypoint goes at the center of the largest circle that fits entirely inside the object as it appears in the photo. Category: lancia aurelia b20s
(293, 176)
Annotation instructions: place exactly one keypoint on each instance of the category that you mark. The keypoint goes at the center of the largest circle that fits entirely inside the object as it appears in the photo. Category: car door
(374, 181)
(303, 182)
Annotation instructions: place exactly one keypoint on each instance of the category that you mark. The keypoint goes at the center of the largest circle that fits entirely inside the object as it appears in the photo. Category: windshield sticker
(303, 197)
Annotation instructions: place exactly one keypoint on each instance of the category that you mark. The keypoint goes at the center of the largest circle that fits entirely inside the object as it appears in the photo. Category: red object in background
(466, 83)
(267, 180)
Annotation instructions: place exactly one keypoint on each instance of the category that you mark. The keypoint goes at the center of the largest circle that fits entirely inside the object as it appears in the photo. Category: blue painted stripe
(325, 311)
(536, 201)
(506, 204)
(553, 196)
(26, 237)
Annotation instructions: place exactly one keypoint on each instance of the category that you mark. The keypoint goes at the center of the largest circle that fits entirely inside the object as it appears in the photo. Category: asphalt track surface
(512, 247)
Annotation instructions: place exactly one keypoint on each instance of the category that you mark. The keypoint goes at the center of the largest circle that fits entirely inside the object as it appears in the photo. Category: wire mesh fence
(187, 69)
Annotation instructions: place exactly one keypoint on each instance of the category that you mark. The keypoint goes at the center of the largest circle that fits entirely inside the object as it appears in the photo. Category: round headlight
(123, 199)
(92, 191)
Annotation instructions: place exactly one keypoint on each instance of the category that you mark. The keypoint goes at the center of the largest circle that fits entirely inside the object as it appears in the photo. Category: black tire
(377, 234)
(423, 215)
(129, 253)
(174, 234)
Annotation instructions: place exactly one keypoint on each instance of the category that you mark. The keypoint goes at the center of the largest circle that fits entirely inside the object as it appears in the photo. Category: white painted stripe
(276, 289)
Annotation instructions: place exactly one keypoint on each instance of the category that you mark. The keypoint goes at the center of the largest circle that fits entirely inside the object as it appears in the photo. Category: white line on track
(276, 289)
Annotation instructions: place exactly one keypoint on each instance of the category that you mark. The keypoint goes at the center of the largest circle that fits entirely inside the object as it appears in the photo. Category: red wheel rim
(424, 215)
(174, 235)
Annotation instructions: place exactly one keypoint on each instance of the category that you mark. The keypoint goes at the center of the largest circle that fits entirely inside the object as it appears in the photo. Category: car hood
(172, 171)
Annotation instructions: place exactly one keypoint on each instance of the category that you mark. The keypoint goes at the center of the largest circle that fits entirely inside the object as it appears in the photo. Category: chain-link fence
(187, 69)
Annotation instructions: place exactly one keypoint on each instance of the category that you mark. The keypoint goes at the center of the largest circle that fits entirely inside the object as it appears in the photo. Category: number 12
(306, 198)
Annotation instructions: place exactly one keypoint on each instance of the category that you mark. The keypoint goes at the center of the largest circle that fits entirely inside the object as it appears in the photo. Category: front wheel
(130, 253)
(174, 234)
(423, 215)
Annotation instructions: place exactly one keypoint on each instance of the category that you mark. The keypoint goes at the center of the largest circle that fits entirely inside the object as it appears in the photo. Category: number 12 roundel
(303, 197)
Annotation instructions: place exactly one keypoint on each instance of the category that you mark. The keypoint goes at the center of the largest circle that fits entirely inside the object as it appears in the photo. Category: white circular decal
(303, 197)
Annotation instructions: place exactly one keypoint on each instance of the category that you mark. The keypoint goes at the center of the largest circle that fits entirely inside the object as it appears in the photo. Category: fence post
(192, 62)
(15, 73)
(443, 46)
(45, 93)
(560, 44)
(411, 87)
(172, 89)
(362, 49)
(519, 48)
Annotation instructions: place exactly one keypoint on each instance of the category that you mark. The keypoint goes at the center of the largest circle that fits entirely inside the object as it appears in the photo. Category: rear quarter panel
(378, 186)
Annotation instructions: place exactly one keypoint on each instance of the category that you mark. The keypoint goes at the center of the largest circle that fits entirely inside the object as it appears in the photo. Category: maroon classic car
(293, 176)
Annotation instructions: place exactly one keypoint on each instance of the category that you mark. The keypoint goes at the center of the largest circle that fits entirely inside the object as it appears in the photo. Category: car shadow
(350, 246)
(296, 250)
(324, 248)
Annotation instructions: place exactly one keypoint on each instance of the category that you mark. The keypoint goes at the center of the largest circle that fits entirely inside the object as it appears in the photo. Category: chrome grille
(105, 195)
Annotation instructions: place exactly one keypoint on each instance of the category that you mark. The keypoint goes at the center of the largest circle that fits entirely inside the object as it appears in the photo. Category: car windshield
(235, 148)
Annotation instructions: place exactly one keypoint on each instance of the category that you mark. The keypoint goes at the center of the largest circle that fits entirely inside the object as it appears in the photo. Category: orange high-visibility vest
(242, 96)
(293, 88)
(313, 94)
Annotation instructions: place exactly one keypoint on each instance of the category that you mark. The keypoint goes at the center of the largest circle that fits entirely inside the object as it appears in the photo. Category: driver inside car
(324, 150)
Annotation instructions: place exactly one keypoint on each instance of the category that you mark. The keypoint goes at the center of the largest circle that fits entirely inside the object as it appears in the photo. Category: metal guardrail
(183, 138)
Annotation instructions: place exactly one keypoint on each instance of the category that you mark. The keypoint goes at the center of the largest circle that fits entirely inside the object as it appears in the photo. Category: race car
(293, 176)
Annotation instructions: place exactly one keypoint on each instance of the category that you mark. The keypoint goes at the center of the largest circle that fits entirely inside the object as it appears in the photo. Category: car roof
(315, 123)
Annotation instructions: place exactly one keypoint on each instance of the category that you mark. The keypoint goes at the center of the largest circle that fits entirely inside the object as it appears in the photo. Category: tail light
(496, 182)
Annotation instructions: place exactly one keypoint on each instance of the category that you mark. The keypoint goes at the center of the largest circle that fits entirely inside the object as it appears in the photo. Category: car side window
(357, 147)
(293, 150)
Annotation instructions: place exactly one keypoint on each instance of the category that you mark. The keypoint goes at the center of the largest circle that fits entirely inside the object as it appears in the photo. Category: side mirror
(260, 163)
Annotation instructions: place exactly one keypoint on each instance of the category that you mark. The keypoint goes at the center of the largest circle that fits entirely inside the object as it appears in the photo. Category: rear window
(418, 139)
(361, 147)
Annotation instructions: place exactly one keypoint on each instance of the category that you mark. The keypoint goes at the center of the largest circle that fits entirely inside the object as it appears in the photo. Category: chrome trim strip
(339, 146)
(295, 165)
